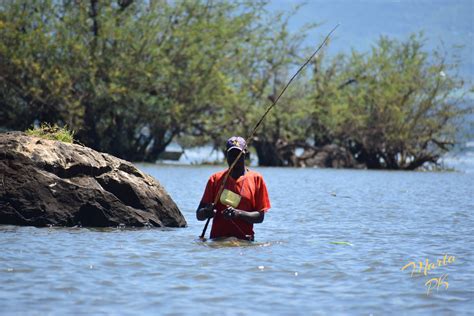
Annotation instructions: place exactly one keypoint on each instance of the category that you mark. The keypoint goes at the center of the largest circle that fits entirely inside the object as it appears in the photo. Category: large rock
(45, 182)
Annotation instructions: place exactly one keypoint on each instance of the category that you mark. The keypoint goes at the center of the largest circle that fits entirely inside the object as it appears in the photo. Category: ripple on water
(390, 219)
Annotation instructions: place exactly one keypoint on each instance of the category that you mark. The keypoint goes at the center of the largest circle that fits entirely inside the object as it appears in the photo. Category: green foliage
(272, 53)
(129, 76)
(52, 132)
(392, 108)
(132, 76)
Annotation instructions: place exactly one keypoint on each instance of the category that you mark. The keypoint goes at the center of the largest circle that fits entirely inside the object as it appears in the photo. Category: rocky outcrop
(45, 182)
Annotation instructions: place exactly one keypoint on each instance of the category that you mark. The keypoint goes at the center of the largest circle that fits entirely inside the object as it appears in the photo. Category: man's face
(232, 154)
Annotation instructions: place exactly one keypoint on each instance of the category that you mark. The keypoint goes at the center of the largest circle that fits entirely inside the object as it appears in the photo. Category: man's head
(234, 146)
(236, 142)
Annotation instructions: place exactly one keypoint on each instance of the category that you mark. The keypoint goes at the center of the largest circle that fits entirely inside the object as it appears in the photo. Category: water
(388, 218)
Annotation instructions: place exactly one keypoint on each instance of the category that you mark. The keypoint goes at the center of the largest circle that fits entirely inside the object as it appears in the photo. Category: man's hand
(209, 210)
(231, 212)
(206, 212)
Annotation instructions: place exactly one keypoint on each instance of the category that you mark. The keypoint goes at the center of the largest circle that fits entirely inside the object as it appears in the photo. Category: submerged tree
(131, 76)
(272, 54)
(393, 108)
(128, 76)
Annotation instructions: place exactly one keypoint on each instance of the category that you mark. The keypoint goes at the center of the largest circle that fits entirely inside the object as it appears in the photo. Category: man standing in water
(243, 201)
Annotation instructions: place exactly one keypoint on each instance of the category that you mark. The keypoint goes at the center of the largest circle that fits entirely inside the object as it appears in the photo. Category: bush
(396, 107)
(52, 132)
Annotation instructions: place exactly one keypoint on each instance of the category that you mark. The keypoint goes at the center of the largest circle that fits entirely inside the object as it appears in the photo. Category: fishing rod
(252, 134)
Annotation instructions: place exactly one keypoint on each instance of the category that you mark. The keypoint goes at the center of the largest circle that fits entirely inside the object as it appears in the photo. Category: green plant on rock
(52, 132)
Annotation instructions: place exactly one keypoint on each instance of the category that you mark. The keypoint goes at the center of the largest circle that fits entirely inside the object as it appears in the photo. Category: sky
(444, 22)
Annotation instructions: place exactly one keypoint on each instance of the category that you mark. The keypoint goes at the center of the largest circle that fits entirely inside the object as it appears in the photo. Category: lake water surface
(297, 266)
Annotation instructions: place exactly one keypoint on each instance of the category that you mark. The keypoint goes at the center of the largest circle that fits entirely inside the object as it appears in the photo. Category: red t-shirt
(254, 197)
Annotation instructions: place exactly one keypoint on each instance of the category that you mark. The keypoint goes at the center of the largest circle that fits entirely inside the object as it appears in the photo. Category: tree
(128, 76)
(33, 84)
(393, 108)
(271, 53)
(132, 76)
